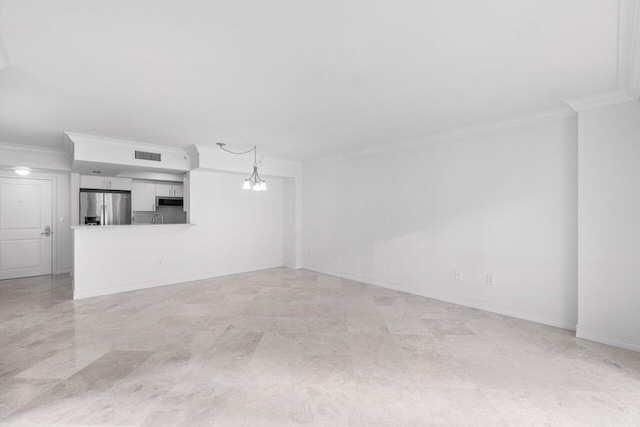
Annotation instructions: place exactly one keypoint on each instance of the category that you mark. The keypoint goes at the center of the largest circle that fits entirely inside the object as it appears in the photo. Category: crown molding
(628, 63)
(629, 47)
(5, 58)
(598, 100)
(191, 150)
(36, 149)
(35, 157)
(482, 129)
(633, 79)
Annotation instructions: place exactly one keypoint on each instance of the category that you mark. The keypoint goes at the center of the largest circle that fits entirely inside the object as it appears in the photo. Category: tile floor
(285, 347)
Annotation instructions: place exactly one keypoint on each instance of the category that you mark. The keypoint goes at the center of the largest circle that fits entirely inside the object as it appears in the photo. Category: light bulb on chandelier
(254, 182)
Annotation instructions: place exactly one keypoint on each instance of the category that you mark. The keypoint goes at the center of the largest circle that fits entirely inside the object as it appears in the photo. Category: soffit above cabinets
(113, 157)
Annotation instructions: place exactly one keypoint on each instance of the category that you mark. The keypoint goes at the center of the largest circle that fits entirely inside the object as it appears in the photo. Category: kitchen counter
(82, 227)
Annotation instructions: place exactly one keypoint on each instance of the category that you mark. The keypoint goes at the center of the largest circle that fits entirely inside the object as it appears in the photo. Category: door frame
(54, 211)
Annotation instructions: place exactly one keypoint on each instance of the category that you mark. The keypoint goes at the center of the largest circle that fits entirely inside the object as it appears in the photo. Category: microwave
(169, 201)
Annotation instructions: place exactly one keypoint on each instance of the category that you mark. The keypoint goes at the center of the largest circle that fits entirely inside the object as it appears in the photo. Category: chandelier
(254, 182)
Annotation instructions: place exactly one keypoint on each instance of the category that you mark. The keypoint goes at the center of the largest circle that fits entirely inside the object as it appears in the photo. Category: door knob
(47, 231)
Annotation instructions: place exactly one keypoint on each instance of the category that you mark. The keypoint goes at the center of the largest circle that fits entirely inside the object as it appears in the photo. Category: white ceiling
(301, 79)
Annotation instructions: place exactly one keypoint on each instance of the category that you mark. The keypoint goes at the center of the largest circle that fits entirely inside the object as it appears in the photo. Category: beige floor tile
(291, 405)
(568, 408)
(290, 347)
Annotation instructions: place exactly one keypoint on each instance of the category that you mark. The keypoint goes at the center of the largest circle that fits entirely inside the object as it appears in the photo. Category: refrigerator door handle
(107, 214)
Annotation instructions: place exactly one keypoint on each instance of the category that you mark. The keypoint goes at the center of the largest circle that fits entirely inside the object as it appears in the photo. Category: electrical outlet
(458, 274)
(490, 280)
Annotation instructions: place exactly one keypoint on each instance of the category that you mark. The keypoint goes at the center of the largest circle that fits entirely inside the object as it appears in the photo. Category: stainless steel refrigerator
(105, 207)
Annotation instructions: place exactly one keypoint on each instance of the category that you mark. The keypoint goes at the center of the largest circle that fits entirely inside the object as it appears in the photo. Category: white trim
(559, 322)
(5, 57)
(54, 224)
(191, 150)
(629, 48)
(626, 12)
(291, 266)
(33, 149)
(40, 159)
(128, 287)
(598, 100)
(608, 337)
(633, 80)
(482, 129)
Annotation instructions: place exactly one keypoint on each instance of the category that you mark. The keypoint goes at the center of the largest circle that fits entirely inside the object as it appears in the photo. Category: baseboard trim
(128, 287)
(559, 322)
(608, 337)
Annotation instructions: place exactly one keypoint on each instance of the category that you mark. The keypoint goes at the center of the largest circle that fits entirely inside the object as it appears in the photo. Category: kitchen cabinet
(117, 183)
(90, 181)
(169, 189)
(144, 193)
(143, 196)
(105, 182)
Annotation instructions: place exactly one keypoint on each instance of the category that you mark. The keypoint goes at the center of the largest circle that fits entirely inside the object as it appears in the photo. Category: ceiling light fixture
(22, 171)
(254, 182)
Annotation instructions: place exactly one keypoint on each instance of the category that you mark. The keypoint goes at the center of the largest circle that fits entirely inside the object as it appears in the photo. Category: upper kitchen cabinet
(169, 189)
(145, 192)
(90, 181)
(116, 183)
(178, 190)
(105, 182)
(143, 196)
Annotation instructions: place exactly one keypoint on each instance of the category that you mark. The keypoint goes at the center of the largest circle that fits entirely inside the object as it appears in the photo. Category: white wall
(62, 227)
(502, 204)
(236, 231)
(51, 165)
(289, 222)
(609, 225)
(215, 159)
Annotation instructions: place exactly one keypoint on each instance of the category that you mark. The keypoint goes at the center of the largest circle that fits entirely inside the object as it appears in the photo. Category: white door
(25, 214)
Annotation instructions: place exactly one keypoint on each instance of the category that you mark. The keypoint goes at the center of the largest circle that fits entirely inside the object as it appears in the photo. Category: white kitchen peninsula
(119, 258)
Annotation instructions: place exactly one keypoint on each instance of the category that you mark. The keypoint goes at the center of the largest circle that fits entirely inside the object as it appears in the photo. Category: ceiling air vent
(143, 155)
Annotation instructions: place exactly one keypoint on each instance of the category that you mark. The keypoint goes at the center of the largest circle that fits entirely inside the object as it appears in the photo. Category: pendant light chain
(254, 182)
